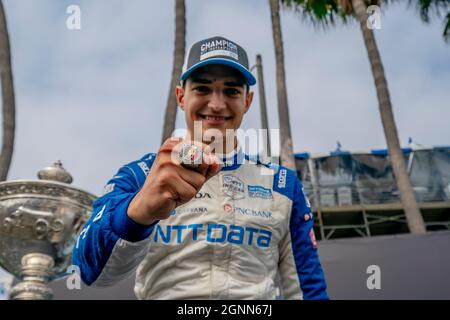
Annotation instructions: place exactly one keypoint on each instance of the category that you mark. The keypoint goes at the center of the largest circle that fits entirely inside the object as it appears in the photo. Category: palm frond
(319, 13)
(446, 33)
(428, 9)
(325, 13)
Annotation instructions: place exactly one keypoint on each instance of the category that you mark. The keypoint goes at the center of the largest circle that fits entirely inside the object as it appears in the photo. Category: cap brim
(251, 80)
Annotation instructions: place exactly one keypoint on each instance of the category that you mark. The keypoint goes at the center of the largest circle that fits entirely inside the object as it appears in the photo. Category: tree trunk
(178, 59)
(407, 196)
(9, 113)
(287, 154)
(263, 108)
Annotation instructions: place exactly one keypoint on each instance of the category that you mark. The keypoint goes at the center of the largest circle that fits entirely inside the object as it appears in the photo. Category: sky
(95, 98)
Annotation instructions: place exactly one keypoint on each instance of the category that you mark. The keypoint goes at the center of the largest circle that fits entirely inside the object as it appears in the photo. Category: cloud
(95, 98)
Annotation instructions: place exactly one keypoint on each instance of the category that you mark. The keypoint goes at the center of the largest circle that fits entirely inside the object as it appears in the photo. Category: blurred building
(354, 194)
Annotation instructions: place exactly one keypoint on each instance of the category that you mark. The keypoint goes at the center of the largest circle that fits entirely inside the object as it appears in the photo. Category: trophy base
(35, 272)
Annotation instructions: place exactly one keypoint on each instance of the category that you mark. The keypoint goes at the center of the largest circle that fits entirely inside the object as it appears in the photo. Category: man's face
(217, 97)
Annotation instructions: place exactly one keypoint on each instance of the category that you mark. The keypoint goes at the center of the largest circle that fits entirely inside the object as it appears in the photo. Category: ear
(179, 92)
(248, 100)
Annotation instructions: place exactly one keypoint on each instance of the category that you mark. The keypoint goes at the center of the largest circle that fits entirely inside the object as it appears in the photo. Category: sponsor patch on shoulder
(108, 188)
(282, 179)
(144, 167)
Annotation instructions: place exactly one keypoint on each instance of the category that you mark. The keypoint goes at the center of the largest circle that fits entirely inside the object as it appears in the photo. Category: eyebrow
(228, 83)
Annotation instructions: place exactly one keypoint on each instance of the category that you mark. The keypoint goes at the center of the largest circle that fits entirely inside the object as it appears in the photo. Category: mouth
(210, 119)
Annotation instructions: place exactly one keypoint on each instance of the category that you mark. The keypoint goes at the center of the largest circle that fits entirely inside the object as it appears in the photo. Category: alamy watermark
(253, 142)
(374, 280)
(73, 281)
(374, 19)
(73, 22)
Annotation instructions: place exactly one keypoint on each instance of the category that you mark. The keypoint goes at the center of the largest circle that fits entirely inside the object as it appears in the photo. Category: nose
(217, 101)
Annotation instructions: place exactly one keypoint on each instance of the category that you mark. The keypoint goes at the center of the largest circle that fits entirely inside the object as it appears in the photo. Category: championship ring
(190, 155)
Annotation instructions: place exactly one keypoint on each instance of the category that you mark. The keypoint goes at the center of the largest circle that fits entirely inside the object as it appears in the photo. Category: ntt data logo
(215, 233)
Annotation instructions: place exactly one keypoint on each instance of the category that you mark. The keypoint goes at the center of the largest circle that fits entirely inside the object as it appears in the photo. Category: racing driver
(218, 229)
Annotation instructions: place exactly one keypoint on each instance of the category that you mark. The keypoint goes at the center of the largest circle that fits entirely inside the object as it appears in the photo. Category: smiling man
(217, 230)
(218, 97)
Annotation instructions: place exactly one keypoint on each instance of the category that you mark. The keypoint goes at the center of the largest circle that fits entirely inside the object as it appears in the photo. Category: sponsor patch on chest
(233, 187)
(259, 192)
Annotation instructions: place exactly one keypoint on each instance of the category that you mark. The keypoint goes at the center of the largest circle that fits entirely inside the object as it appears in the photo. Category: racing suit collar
(233, 160)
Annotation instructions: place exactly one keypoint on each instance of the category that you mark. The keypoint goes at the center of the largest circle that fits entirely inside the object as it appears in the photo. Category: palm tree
(178, 59)
(262, 103)
(9, 109)
(286, 152)
(446, 33)
(326, 11)
(436, 6)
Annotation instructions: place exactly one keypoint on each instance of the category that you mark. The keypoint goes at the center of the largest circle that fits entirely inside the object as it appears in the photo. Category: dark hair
(183, 82)
(183, 85)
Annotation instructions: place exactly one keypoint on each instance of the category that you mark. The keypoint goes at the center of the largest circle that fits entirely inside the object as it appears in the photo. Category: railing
(349, 179)
(355, 195)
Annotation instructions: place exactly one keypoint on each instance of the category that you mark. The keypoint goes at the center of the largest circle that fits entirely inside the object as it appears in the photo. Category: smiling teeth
(214, 118)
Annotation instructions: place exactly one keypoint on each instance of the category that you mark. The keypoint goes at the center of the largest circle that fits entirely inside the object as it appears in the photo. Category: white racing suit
(247, 223)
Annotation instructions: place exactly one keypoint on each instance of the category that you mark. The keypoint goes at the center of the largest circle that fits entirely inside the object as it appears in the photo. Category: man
(205, 231)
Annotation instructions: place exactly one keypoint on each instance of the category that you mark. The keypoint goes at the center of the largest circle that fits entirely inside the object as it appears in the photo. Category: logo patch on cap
(216, 48)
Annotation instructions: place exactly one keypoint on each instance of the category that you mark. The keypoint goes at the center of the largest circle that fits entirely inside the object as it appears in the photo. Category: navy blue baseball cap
(217, 50)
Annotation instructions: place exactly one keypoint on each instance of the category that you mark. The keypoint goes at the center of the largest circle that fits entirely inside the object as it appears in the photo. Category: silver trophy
(39, 224)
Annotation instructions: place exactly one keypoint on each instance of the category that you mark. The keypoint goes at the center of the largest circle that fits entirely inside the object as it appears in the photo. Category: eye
(232, 91)
(202, 89)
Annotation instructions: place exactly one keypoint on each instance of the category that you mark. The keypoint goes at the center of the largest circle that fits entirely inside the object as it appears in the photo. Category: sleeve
(111, 245)
(300, 270)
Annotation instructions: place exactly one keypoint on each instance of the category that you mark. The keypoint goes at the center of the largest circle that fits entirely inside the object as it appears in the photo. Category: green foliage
(430, 7)
(318, 12)
(325, 13)
(446, 33)
(436, 8)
